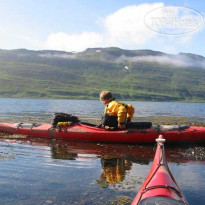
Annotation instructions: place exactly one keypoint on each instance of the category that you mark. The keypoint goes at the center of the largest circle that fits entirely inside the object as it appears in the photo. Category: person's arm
(130, 113)
(122, 112)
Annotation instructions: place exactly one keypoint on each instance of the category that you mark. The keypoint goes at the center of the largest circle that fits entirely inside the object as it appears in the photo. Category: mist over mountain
(130, 74)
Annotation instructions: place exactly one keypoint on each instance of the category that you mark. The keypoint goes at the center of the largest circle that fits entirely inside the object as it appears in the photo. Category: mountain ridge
(131, 74)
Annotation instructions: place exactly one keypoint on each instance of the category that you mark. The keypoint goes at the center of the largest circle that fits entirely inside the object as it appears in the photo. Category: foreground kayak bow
(160, 186)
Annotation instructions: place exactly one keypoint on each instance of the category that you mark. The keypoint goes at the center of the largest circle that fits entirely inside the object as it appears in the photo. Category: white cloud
(124, 28)
(73, 42)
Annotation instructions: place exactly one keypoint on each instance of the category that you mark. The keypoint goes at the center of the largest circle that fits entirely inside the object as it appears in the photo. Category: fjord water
(15, 107)
(37, 171)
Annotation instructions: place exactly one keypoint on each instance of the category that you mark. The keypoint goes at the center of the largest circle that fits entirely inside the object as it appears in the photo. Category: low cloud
(172, 60)
(65, 56)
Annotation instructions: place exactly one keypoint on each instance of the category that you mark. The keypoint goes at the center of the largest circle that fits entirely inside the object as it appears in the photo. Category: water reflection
(61, 151)
(67, 168)
(114, 169)
(116, 159)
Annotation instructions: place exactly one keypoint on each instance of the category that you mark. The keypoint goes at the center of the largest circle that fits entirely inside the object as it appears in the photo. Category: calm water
(36, 171)
(93, 108)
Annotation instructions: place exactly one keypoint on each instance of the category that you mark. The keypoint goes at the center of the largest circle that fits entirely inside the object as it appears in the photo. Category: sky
(74, 25)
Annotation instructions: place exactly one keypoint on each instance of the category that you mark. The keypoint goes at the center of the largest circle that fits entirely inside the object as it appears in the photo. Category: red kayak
(87, 132)
(160, 186)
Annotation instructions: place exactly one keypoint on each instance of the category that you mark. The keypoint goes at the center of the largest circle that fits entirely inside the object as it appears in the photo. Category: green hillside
(57, 74)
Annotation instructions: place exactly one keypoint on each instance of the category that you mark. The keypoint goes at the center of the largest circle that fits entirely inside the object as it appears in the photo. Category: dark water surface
(37, 171)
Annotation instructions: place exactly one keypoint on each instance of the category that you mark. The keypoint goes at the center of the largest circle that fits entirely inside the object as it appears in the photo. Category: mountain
(129, 74)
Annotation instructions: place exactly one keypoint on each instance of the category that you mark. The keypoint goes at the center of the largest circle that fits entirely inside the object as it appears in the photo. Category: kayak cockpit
(161, 201)
(27, 125)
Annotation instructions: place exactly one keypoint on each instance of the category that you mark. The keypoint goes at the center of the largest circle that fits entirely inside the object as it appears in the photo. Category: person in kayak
(116, 114)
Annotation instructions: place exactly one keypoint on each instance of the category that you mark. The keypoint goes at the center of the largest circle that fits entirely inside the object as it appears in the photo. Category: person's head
(106, 97)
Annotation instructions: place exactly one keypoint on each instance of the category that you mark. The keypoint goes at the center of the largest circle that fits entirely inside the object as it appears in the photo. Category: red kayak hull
(159, 182)
(81, 132)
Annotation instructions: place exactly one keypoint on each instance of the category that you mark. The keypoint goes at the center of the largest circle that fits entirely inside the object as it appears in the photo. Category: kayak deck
(160, 186)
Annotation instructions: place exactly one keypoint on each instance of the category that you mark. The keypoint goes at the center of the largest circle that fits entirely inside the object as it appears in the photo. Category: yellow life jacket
(119, 109)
